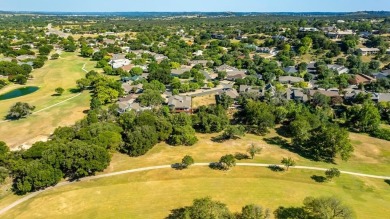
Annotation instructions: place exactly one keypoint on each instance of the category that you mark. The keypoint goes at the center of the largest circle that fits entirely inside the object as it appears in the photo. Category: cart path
(31, 195)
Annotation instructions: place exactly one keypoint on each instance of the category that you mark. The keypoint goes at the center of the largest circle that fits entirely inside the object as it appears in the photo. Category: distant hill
(200, 14)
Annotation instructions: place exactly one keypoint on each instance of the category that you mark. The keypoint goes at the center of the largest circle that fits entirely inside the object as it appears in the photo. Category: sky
(195, 5)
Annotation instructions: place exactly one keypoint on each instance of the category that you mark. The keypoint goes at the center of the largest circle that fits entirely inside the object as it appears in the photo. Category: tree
(225, 101)
(331, 173)
(259, 115)
(4, 173)
(59, 90)
(35, 175)
(227, 161)
(222, 75)
(77, 159)
(187, 161)
(253, 150)
(150, 98)
(55, 56)
(364, 118)
(251, 212)
(210, 119)
(20, 110)
(327, 141)
(136, 71)
(233, 132)
(327, 208)
(154, 85)
(139, 140)
(203, 208)
(288, 162)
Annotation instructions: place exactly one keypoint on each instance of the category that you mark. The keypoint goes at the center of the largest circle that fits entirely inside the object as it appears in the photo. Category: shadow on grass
(178, 166)
(74, 90)
(319, 179)
(283, 131)
(276, 168)
(278, 141)
(241, 156)
(56, 95)
(387, 181)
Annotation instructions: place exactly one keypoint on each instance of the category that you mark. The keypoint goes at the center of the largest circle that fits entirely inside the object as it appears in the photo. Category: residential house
(206, 75)
(279, 37)
(180, 71)
(381, 75)
(290, 79)
(119, 60)
(218, 36)
(180, 103)
(199, 62)
(308, 29)
(339, 68)
(311, 67)
(368, 51)
(198, 53)
(297, 95)
(327, 93)
(381, 97)
(339, 34)
(290, 70)
(264, 50)
(362, 79)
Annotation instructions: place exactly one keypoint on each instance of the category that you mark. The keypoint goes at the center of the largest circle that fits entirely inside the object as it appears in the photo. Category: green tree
(327, 208)
(364, 118)
(225, 101)
(154, 85)
(227, 161)
(4, 173)
(253, 150)
(187, 161)
(20, 110)
(203, 208)
(136, 71)
(139, 140)
(59, 90)
(150, 98)
(233, 132)
(331, 173)
(288, 162)
(77, 159)
(35, 175)
(251, 212)
(55, 56)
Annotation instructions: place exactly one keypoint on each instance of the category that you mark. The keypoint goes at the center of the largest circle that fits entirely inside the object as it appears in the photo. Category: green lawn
(56, 73)
(152, 194)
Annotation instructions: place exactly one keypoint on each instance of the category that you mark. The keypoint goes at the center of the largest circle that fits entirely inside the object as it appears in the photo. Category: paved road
(31, 195)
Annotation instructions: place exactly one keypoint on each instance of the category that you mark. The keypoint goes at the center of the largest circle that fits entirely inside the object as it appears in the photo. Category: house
(308, 29)
(279, 37)
(180, 103)
(218, 36)
(119, 63)
(25, 57)
(339, 34)
(297, 95)
(311, 67)
(290, 79)
(249, 89)
(199, 62)
(339, 68)
(198, 53)
(232, 76)
(264, 50)
(226, 68)
(180, 71)
(327, 93)
(381, 97)
(290, 70)
(362, 79)
(381, 75)
(368, 51)
(229, 92)
(206, 75)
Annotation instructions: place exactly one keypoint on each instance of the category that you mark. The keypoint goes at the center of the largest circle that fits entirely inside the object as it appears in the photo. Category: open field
(152, 194)
(203, 101)
(57, 73)
(97, 197)
(371, 156)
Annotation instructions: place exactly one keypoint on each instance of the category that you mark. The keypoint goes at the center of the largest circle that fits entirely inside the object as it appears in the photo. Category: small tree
(331, 173)
(253, 150)
(55, 56)
(59, 90)
(20, 110)
(187, 161)
(227, 161)
(233, 132)
(288, 162)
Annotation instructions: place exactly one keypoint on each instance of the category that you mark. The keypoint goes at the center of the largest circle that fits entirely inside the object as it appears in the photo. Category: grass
(56, 73)
(167, 189)
(371, 155)
(152, 194)
(203, 101)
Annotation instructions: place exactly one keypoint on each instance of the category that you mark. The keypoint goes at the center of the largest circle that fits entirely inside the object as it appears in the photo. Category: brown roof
(127, 67)
(362, 79)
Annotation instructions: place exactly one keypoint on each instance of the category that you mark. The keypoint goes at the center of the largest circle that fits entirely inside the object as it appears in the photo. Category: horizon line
(43, 11)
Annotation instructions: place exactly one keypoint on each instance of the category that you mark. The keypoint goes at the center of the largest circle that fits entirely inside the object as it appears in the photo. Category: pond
(18, 92)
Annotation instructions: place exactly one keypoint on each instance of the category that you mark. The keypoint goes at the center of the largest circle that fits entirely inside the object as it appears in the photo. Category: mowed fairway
(152, 194)
(56, 73)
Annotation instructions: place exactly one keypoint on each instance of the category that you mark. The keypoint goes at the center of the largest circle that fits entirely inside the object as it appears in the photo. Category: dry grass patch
(203, 101)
